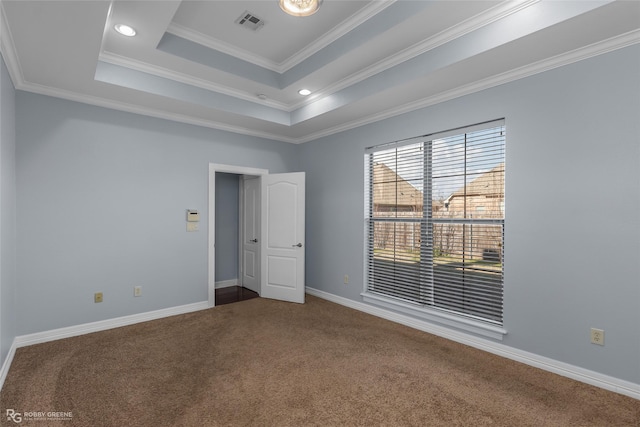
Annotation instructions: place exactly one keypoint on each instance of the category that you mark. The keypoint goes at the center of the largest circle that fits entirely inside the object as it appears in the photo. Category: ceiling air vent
(250, 21)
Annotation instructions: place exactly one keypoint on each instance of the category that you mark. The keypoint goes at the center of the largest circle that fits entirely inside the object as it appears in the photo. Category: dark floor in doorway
(233, 294)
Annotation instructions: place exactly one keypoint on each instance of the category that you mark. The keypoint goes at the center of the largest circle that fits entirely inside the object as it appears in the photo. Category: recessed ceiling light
(300, 7)
(304, 92)
(125, 30)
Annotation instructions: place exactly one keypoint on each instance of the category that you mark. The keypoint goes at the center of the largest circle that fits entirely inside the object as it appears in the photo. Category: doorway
(237, 232)
(240, 173)
(271, 245)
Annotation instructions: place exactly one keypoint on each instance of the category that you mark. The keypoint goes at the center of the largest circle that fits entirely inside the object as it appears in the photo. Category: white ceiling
(363, 60)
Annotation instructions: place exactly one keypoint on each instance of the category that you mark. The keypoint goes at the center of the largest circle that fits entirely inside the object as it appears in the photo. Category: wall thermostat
(193, 215)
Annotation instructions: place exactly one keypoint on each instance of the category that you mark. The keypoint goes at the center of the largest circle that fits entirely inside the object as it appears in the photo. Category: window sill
(435, 316)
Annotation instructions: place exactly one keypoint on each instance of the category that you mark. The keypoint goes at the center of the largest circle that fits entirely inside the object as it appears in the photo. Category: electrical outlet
(597, 336)
(137, 291)
(346, 279)
(97, 297)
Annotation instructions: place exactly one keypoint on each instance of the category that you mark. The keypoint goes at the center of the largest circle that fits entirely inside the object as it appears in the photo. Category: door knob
(299, 245)
(254, 240)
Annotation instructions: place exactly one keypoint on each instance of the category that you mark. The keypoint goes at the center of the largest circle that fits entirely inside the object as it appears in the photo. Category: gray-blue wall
(227, 229)
(102, 198)
(572, 226)
(8, 281)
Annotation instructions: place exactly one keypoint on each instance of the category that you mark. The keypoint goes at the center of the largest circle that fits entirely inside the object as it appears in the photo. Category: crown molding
(599, 48)
(158, 71)
(220, 46)
(334, 34)
(8, 50)
(472, 24)
(465, 27)
(147, 111)
(595, 49)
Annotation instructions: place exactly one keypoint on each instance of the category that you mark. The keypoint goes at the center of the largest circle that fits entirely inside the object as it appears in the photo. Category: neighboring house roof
(489, 184)
(390, 189)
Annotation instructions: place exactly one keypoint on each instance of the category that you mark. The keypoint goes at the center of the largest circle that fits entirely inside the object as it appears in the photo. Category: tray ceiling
(362, 60)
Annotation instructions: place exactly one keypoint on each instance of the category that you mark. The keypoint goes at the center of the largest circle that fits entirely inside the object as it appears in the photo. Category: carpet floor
(269, 363)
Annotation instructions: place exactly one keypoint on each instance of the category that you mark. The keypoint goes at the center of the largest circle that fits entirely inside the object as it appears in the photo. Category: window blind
(435, 221)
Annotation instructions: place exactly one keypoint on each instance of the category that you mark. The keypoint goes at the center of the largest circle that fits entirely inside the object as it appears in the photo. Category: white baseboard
(574, 372)
(102, 325)
(7, 363)
(227, 283)
(87, 328)
(566, 370)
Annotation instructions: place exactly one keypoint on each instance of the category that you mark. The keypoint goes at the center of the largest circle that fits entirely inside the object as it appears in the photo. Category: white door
(251, 234)
(282, 258)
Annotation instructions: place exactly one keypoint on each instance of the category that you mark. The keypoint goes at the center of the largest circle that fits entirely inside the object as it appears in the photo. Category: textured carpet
(269, 363)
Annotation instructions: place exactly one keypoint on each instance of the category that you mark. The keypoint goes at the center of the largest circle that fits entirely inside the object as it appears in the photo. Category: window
(435, 222)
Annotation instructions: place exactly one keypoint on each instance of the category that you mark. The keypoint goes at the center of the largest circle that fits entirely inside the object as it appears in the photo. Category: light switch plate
(192, 226)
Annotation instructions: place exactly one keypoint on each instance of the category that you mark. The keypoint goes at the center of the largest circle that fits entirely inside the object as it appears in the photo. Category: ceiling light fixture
(125, 30)
(304, 92)
(300, 7)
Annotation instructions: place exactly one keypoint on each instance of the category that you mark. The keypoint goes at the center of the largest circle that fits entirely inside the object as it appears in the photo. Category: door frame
(211, 256)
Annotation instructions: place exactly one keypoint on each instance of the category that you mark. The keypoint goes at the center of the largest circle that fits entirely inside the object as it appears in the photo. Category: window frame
(428, 311)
